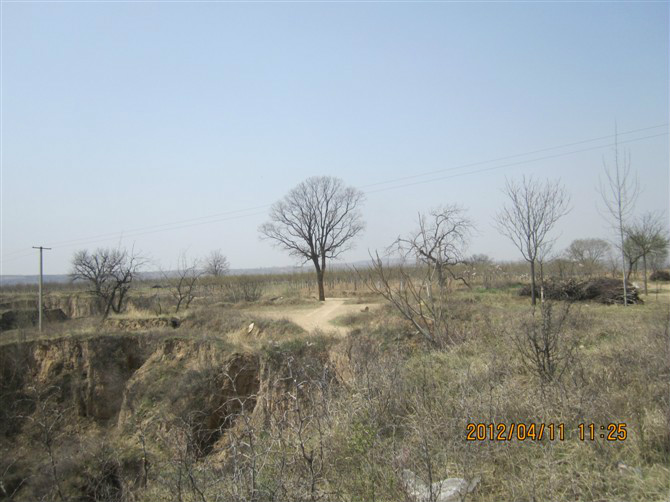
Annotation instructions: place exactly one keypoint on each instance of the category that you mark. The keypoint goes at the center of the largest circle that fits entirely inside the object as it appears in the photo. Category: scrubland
(134, 408)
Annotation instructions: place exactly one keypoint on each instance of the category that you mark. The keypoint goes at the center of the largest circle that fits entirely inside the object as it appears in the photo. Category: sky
(170, 127)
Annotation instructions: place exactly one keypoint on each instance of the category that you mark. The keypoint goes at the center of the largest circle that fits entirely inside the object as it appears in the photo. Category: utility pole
(40, 304)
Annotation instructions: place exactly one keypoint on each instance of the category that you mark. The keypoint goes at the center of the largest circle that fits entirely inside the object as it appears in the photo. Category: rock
(446, 490)
(626, 469)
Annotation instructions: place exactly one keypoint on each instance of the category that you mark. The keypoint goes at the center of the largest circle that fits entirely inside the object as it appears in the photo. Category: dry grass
(400, 404)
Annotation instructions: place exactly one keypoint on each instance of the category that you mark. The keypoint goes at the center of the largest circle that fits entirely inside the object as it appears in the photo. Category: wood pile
(602, 290)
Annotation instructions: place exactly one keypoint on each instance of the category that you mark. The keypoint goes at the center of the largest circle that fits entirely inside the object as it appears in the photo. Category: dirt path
(321, 316)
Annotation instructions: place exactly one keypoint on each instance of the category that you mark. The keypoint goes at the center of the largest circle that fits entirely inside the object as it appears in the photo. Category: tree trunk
(108, 305)
(623, 263)
(644, 262)
(532, 283)
(119, 304)
(631, 264)
(541, 281)
(319, 279)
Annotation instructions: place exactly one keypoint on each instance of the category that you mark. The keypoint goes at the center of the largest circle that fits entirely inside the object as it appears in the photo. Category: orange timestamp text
(539, 431)
(515, 431)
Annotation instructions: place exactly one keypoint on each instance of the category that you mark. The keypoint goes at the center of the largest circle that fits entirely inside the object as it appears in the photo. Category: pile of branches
(602, 290)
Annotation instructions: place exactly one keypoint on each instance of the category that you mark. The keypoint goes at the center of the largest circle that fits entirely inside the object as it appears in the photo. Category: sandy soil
(321, 316)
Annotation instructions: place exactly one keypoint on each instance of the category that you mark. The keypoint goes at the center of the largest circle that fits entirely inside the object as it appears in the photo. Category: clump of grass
(278, 327)
(351, 320)
(317, 344)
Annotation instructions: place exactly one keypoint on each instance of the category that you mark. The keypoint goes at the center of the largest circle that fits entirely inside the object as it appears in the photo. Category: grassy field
(329, 417)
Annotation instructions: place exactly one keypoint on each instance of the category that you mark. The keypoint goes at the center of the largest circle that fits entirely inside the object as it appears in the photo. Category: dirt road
(321, 316)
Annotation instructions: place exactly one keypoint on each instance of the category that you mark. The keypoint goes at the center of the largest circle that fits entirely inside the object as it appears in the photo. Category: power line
(215, 218)
(151, 227)
(137, 234)
(498, 159)
(404, 185)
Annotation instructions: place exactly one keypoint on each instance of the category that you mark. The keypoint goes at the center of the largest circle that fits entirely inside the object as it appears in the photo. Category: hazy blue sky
(124, 116)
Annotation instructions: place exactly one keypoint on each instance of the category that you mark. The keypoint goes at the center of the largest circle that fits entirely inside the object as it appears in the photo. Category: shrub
(545, 344)
(660, 275)
(243, 289)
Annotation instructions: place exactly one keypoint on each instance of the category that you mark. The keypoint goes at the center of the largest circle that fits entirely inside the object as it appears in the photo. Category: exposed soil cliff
(149, 389)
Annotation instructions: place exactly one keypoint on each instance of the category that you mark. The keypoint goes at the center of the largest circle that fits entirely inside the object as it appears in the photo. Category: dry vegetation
(215, 410)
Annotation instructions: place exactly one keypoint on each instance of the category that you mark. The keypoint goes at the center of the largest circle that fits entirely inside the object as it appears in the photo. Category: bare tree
(633, 253)
(420, 293)
(110, 273)
(533, 210)
(183, 285)
(316, 221)
(644, 239)
(545, 344)
(588, 254)
(216, 264)
(619, 193)
(439, 241)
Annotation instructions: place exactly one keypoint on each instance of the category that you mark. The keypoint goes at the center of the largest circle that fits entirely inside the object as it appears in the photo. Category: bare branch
(529, 217)
(110, 273)
(619, 193)
(316, 221)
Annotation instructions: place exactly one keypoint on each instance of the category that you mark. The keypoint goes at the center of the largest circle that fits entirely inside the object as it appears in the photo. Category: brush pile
(602, 290)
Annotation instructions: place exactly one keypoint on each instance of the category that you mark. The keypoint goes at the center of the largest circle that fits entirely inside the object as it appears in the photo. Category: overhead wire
(216, 217)
(507, 157)
(547, 157)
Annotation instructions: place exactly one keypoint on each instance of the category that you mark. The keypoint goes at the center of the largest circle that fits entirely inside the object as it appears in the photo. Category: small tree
(420, 293)
(619, 193)
(588, 254)
(644, 239)
(316, 221)
(532, 212)
(244, 288)
(545, 344)
(633, 254)
(183, 286)
(439, 241)
(216, 264)
(110, 272)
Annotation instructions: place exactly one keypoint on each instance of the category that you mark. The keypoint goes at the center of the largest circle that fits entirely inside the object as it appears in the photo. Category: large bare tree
(110, 272)
(528, 218)
(619, 192)
(316, 221)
